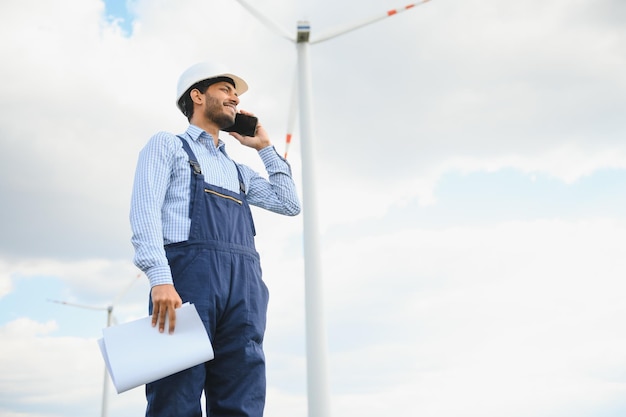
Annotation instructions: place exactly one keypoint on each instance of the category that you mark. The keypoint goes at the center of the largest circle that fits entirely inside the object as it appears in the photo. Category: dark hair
(186, 103)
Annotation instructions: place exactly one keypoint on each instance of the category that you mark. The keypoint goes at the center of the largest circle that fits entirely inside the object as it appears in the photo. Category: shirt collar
(195, 133)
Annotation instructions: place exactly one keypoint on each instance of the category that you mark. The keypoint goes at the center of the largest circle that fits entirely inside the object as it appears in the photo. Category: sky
(470, 168)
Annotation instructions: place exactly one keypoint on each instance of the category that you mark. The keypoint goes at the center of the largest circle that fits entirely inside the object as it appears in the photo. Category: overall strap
(195, 166)
(242, 188)
(193, 161)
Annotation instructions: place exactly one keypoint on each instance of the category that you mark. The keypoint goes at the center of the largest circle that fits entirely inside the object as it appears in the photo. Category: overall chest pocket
(227, 197)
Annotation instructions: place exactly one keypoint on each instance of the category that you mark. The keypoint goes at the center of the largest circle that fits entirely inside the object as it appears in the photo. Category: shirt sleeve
(152, 179)
(277, 193)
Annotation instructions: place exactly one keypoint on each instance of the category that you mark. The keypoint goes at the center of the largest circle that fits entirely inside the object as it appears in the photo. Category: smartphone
(244, 125)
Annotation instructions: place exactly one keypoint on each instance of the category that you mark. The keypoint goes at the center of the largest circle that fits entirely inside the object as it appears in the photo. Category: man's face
(221, 104)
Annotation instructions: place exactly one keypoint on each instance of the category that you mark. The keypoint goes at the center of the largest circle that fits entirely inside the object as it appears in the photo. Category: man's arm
(152, 179)
(279, 193)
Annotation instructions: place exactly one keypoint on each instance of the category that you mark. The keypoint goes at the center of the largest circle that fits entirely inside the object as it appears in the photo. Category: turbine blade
(125, 290)
(77, 305)
(349, 28)
(280, 31)
(291, 120)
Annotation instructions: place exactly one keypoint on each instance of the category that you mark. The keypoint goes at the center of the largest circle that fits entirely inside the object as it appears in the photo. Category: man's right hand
(165, 300)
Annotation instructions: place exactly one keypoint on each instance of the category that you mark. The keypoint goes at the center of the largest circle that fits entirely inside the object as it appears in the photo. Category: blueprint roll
(135, 353)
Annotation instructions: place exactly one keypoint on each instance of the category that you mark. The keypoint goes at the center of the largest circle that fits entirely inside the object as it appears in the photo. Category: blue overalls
(218, 270)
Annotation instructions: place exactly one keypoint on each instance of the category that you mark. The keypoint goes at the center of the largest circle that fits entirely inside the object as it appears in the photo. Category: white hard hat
(204, 71)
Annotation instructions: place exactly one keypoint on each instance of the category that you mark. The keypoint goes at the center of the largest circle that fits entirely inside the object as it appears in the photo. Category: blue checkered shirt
(159, 212)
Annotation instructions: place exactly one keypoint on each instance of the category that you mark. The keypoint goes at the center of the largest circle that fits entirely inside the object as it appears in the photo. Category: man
(193, 235)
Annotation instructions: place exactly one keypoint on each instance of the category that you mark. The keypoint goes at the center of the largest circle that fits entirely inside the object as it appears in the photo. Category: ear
(196, 96)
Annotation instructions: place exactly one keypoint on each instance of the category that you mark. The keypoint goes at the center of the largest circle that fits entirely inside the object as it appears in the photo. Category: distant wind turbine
(110, 320)
(317, 379)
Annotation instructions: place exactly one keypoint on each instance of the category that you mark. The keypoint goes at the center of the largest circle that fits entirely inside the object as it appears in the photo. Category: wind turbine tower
(316, 347)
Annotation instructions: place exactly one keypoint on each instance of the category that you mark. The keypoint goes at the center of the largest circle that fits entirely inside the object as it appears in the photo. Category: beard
(214, 111)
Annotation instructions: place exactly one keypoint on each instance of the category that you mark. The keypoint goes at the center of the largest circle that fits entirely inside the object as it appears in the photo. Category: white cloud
(52, 376)
(518, 316)
(96, 280)
(41, 372)
(6, 285)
